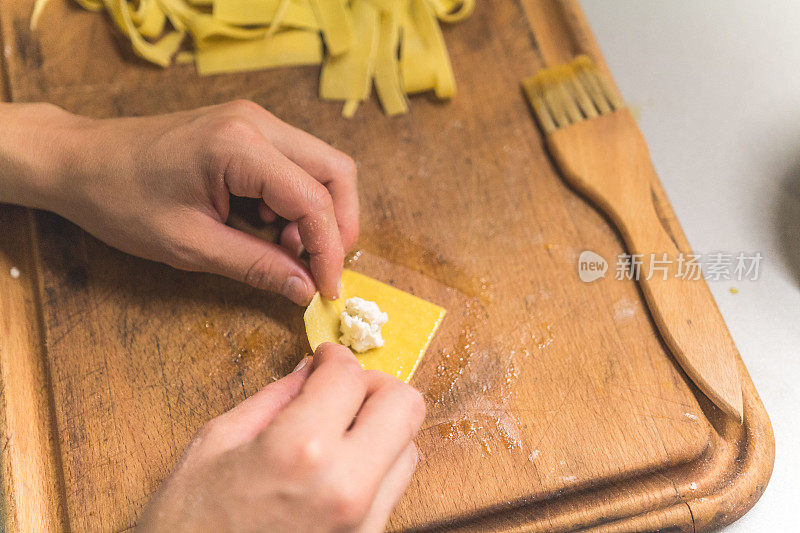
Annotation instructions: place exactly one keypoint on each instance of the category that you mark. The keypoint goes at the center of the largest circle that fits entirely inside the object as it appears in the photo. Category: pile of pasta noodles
(395, 44)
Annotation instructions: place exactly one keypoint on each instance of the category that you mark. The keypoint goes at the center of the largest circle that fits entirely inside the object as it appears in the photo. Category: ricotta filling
(360, 325)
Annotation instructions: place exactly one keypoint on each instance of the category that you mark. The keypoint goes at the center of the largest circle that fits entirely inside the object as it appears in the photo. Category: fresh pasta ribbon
(387, 71)
(424, 18)
(397, 45)
(348, 76)
(287, 48)
(148, 19)
(335, 23)
(452, 10)
(280, 13)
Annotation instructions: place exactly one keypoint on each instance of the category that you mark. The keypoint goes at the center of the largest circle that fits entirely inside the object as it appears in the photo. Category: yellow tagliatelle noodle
(348, 76)
(412, 324)
(286, 13)
(286, 48)
(395, 44)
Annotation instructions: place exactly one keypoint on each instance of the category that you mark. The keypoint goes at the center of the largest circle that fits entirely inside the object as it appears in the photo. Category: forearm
(34, 151)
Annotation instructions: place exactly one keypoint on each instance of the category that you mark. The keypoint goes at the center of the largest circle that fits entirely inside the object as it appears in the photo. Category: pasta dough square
(412, 324)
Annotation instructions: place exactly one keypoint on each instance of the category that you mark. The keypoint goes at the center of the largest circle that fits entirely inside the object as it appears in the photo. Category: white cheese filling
(361, 323)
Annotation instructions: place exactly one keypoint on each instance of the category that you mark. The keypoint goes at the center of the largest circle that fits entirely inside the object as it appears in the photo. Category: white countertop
(717, 85)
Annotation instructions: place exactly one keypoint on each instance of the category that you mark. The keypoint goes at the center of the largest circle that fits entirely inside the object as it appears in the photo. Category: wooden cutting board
(553, 404)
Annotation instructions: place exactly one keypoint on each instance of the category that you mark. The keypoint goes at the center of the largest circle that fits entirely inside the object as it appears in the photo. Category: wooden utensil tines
(600, 151)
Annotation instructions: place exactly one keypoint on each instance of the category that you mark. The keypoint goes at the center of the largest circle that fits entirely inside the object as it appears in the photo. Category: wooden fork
(600, 151)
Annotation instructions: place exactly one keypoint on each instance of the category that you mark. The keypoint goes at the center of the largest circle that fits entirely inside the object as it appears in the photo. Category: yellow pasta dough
(295, 14)
(387, 73)
(348, 76)
(412, 324)
(294, 47)
(334, 20)
(396, 45)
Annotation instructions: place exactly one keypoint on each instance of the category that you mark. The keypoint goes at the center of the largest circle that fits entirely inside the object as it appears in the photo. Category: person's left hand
(159, 187)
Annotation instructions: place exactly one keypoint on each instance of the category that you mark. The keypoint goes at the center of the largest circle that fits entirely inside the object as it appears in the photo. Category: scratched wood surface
(553, 404)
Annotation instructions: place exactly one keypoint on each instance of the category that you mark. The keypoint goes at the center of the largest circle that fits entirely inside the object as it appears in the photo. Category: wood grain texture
(31, 476)
(553, 404)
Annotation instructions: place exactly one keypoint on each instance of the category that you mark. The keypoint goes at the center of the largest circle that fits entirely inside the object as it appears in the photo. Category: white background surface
(717, 84)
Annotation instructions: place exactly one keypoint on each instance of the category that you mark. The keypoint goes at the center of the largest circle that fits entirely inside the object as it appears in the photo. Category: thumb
(244, 257)
(242, 423)
(254, 413)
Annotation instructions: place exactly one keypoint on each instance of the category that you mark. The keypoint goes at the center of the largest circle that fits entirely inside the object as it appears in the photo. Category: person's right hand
(327, 448)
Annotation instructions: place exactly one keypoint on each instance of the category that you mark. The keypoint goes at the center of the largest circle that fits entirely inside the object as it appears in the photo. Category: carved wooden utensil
(600, 151)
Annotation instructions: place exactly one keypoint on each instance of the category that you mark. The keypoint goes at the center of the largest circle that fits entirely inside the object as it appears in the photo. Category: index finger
(331, 167)
(245, 421)
(263, 172)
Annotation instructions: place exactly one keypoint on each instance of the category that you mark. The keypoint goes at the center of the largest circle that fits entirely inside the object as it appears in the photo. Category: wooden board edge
(735, 491)
(562, 31)
(737, 495)
(5, 85)
(757, 447)
(656, 501)
(33, 497)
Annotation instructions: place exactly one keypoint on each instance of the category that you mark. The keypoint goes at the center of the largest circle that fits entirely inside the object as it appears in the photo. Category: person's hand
(327, 448)
(158, 187)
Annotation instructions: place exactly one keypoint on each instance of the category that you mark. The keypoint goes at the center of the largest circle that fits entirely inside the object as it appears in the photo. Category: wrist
(36, 146)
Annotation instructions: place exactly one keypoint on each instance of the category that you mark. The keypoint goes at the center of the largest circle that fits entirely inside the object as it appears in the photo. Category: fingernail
(415, 459)
(303, 362)
(338, 289)
(296, 290)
